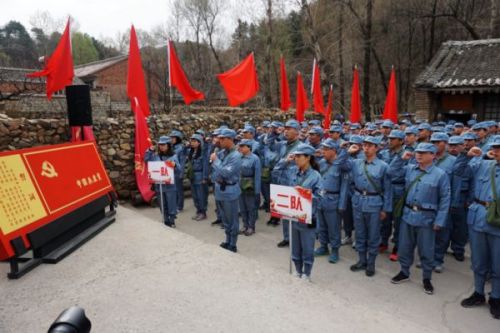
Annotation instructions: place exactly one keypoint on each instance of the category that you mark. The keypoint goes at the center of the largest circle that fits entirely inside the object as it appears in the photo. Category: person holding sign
(332, 200)
(484, 226)
(226, 165)
(250, 186)
(371, 201)
(168, 191)
(197, 173)
(305, 175)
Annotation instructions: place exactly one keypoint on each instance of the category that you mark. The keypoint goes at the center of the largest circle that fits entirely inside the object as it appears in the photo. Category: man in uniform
(484, 234)
(424, 132)
(226, 172)
(424, 211)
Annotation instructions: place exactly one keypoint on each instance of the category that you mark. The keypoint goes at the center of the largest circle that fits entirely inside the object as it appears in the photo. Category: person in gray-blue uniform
(305, 175)
(314, 137)
(481, 130)
(347, 215)
(390, 226)
(445, 162)
(424, 132)
(385, 128)
(267, 159)
(176, 137)
(336, 134)
(484, 232)
(197, 173)
(215, 148)
(458, 128)
(424, 211)
(249, 134)
(460, 188)
(371, 201)
(250, 186)
(411, 134)
(207, 147)
(165, 153)
(469, 140)
(282, 171)
(332, 200)
(226, 172)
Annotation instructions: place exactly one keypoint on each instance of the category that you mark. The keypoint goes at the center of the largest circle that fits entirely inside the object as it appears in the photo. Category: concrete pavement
(139, 276)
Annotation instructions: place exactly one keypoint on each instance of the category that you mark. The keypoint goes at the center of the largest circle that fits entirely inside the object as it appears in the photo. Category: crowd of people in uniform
(430, 187)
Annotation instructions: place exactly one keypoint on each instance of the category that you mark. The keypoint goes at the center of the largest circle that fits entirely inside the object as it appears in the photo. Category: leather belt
(331, 192)
(398, 183)
(417, 208)
(483, 203)
(364, 192)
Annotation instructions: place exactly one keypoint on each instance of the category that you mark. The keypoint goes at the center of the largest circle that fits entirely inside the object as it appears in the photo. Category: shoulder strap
(398, 207)
(493, 185)
(370, 179)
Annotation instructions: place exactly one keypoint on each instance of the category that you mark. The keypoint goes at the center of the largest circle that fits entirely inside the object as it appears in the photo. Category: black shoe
(494, 307)
(232, 249)
(270, 222)
(359, 266)
(400, 278)
(216, 222)
(459, 256)
(224, 245)
(428, 288)
(370, 271)
(473, 300)
(283, 243)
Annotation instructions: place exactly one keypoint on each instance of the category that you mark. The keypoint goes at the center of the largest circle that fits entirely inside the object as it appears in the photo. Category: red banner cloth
(240, 83)
(142, 143)
(329, 108)
(136, 86)
(317, 95)
(82, 133)
(391, 101)
(355, 116)
(59, 67)
(301, 101)
(178, 79)
(285, 101)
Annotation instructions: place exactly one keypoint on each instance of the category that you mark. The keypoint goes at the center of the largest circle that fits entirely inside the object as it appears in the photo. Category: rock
(114, 174)
(125, 146)
(111, 152)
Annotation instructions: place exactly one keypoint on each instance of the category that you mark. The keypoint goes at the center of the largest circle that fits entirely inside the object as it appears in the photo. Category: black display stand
(57, 239)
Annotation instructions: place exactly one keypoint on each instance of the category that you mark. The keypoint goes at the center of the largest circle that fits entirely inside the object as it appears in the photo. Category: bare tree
(210, 10)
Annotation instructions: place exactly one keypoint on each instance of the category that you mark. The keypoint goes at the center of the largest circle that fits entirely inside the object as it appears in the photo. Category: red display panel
(39, 185)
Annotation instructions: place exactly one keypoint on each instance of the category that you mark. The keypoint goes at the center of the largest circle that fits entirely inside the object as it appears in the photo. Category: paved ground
(139, 276)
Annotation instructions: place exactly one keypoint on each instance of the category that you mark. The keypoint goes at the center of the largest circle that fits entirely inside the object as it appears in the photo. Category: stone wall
(115, 136)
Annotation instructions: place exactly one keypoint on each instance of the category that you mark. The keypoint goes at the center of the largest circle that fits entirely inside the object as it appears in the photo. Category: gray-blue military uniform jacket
(251, 169)
(398, 175)
(460, 181)
(226, 174)
(282, 171)
(151, 156)
(310, 179)
(199, 166)
(368, 197)
(333, 195)
(482, 194)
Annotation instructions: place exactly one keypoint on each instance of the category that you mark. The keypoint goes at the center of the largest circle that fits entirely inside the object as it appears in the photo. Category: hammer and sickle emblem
(48, 170)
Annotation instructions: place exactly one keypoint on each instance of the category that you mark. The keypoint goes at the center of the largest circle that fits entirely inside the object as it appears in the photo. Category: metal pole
(161, 203)
(290, 240)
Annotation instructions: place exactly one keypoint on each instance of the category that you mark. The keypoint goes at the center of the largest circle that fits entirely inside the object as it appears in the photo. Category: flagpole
(312, 76)
(170, 77)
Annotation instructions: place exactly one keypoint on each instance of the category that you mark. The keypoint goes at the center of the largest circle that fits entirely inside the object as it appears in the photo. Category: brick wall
(424, 105)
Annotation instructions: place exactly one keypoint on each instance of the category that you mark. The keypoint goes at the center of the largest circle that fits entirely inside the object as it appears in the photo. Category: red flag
(59, 67)
(142, 143)
(317, 95)
(329, 107)
(301, 102)
(391, 101)
(136, 86)
(355, 98)
(285, 89)
(177, 78)
(240, 83)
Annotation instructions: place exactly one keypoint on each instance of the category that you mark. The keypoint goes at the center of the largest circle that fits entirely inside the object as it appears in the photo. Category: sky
(105, 18)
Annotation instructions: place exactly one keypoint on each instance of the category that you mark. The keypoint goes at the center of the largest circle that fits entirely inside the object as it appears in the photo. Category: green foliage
(83, 49)
(17, 46)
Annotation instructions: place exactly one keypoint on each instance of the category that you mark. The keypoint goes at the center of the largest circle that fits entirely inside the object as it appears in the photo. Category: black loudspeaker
(79, 106)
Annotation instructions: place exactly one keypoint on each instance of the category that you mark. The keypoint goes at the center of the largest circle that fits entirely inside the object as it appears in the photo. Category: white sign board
(161, 172)
(290, 202)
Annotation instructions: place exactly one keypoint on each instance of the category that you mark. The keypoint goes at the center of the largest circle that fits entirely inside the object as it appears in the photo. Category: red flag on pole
(142, 143)
(240, 83)
(317, 95)
(59, 67)
(355, 98)
(285, 89)
(391, 101)
(136, 86)
(177, 78)
(329, 107)
(301, 102)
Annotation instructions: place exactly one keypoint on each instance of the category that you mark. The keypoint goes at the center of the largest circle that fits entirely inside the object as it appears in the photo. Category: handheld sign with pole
(161, 172)
(291, 203)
